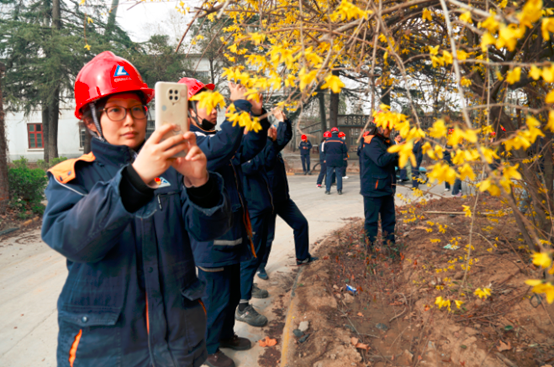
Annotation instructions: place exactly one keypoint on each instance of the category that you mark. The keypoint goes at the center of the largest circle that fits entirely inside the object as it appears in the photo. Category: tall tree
(4, 185)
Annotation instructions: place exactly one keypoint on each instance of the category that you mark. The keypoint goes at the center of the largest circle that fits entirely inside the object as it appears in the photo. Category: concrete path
(32, 276)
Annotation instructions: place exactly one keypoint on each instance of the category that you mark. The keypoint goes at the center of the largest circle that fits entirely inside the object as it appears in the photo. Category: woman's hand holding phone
(194, 165)
(155, 157)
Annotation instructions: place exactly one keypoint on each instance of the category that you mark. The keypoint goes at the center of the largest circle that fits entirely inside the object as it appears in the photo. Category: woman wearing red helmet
(131, 297)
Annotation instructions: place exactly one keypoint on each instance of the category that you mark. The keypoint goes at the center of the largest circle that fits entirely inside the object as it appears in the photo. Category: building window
(34, 132)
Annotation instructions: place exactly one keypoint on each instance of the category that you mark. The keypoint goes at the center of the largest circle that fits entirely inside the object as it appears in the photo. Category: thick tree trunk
(334, 107)
(53, 118)
(4, 185)
(323, 116)
(111, 18)
(45, 131)
(212, 70)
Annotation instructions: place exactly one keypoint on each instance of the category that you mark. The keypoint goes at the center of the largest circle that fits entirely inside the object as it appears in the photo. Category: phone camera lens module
(176, 97)
(170, 91)
(170, 98)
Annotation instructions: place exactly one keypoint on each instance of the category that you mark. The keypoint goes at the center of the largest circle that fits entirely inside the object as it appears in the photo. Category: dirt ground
(392, 318)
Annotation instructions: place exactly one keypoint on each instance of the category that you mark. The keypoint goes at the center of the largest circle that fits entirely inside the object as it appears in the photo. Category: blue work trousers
(260, 226)
(289, 212)
(415, 177)
(221, 298)
(305, 162)
(331, 172)
(457, 187)
(373, 206)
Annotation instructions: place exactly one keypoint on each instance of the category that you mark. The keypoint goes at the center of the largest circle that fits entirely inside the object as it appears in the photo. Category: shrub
(46, 165)
(26, 187)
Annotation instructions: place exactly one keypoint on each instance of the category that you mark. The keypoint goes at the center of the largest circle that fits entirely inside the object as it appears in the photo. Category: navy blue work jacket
(321, 152)
(418, 152)
(378, 176)
(335, 151)
(257, 189)
(226, 150)
(305, 147)
(447, 155)
(131, 297)
(277, 174)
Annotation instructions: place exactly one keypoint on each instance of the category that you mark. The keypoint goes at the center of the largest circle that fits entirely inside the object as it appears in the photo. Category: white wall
(18, 142)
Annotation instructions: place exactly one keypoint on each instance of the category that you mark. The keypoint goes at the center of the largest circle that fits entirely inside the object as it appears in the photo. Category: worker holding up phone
(218, 261)
(131, 296)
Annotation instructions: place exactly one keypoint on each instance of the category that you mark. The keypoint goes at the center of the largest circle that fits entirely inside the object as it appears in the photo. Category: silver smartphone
(171, 108)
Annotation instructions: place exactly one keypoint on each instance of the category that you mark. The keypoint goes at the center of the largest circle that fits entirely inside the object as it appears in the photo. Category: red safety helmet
(342, 135)
(105, 75)
(450, 131)
(304, 137)
(194, 86)
(493, 133)
(366, 133)
(327, 134)
(335, 129)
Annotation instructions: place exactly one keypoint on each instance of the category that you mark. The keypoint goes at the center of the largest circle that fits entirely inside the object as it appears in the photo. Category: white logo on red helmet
(120, 71)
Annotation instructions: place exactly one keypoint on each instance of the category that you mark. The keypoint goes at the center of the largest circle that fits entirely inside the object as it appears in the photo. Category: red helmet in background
(335, 129)
(194, 86)
(304, 137)
(493, 133)
(450, 131)
(366, 133)
(502, 127)
(327, 134)
(342, 135)
(105, 75)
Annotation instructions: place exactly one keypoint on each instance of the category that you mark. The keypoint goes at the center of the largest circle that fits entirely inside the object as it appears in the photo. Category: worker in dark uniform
(260, 207)
(447, 157)
(218, 261)
(378, 186)
(418, 153)
(305, 147)
(322, 165)
(283, 204)
(335, 153)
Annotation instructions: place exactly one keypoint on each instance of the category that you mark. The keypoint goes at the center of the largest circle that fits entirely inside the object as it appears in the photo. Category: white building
(25, 138)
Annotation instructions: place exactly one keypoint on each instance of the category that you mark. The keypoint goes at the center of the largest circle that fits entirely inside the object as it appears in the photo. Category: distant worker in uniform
(335, 152)
(305, 147)
(343, 137)
(322, 165)
(378, 186)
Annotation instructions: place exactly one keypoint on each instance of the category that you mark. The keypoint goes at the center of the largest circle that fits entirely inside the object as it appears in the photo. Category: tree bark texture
(334, 107)
(4, 185)
(323, 116)
(45, 132)
(111, 18)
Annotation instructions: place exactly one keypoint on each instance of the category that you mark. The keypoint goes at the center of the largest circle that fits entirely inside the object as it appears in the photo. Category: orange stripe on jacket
(147, 319)
(65, 171)
(73, 350)
(368, 139)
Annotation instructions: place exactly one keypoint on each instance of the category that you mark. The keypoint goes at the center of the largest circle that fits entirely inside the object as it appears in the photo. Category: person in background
(378, 186)
(305, 148)
(284, 206)
(335, 152)
(343, 137)
(447, 157)
(219, 260)
(404, 172)
(124, 216)
(322, 165)
(418, 153)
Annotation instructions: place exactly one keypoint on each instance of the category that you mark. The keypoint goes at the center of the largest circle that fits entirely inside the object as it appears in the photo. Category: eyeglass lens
(117, 113)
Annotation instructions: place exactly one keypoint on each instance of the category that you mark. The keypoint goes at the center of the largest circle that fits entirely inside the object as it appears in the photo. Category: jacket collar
(112, 154)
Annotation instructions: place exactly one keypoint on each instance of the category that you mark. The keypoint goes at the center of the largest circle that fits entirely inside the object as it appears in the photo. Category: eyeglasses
(118, 113)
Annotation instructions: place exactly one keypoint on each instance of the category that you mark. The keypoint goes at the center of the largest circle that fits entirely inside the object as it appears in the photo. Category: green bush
(46, 165)
(26, 187)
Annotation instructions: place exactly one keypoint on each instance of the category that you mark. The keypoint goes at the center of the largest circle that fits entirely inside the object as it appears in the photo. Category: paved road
(32, 275)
